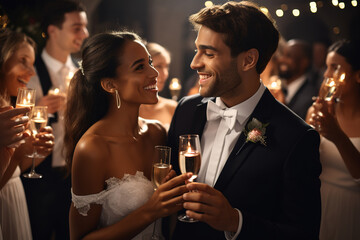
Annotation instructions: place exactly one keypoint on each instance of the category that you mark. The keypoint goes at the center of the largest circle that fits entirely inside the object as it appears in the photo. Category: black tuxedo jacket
(276, 187)
(302, 99)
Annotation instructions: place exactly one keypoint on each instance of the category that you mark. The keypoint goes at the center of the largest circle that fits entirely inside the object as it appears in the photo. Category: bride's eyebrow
(138, 61)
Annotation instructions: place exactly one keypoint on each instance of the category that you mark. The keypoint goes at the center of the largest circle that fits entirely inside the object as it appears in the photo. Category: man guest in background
(299, 82)
(65, 26)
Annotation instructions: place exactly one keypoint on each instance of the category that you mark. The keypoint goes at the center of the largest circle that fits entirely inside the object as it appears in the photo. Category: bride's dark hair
(87, 101)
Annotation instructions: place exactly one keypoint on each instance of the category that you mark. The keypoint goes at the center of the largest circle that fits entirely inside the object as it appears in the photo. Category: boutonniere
(255, 131)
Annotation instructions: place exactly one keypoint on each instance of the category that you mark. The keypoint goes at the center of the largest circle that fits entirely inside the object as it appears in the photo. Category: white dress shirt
(210, 171)
(57, 71)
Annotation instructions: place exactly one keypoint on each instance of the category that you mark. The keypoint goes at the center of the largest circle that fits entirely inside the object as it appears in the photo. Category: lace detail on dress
(115, 186)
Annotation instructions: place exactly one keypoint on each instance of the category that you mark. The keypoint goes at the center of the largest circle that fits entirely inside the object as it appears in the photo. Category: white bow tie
(215, 112)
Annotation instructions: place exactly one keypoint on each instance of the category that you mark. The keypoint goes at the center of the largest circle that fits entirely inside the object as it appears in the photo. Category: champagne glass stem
(32, 171)
(153, 236)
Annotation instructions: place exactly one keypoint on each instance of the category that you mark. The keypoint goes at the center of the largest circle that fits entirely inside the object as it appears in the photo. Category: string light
(341, 5)
(279, 13)
(335, 2)
(313, 10)
(296, 12)
(208, 3)
(313, 7)
(354, 3)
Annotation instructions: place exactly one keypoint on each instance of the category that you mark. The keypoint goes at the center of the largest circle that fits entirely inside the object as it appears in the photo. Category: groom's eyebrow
(204, 47)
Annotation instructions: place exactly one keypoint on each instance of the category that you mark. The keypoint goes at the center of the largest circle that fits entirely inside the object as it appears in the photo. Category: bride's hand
(167, 199)
(169, 176)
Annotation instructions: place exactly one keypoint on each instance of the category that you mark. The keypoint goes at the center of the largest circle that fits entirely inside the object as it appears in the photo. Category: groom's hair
(243, 26)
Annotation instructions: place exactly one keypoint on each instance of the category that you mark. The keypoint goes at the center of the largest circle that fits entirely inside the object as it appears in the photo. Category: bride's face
(136, 76)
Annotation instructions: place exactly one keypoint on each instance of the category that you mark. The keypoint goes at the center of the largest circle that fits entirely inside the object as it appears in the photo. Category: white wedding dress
(14, 216)
(121, 197)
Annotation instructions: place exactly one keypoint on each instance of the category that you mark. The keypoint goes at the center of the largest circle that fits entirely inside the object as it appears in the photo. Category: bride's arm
(88, 177)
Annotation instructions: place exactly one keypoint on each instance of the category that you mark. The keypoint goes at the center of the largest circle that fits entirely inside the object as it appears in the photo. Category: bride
(109, 148)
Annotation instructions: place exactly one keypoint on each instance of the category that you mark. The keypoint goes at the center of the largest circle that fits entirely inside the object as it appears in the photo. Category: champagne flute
(38, 120)
(161, 165)
(25, 98)
(189, 161)
(329, 88)
(160, 169)
(331, 85)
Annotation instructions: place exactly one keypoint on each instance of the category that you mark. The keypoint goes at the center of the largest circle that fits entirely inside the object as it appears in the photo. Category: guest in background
(164, 109)
(16, 68)
(339, 125)
(297, 78)
(110, 148)
(65, 25)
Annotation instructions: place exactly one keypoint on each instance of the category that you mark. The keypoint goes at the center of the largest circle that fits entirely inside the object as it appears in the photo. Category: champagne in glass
(189, 161)
(161, 165)
(330, 88)
(38, 120)
(26, 98)
(160, 169)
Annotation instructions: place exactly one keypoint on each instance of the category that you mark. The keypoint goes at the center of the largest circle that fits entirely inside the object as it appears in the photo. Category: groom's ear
(249, 59)
(108, 85)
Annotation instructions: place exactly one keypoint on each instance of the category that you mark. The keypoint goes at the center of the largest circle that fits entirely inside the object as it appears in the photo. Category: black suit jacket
(276, 187)
(302, 99)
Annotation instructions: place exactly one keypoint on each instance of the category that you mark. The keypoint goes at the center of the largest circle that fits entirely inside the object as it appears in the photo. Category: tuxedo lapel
(242, 149)
(200, 117)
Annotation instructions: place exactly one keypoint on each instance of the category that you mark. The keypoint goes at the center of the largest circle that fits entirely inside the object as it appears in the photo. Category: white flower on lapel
(255, 131)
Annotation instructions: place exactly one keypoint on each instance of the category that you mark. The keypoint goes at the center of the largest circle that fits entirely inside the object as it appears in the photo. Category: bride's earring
(118, 100)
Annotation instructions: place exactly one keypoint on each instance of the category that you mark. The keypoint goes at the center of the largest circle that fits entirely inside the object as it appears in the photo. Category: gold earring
(118, 100)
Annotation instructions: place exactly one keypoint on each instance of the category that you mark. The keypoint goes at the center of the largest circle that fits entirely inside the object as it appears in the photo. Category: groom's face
(217, 69)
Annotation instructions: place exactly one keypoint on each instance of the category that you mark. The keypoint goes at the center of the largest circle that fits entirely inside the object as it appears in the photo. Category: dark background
(165, 22)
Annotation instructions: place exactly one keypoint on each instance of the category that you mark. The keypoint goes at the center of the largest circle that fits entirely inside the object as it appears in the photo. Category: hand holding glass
(25, 98)
(189, 161)
(38, 120)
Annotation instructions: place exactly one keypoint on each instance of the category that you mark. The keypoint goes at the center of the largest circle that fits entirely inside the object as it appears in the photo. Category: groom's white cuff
(233, 235)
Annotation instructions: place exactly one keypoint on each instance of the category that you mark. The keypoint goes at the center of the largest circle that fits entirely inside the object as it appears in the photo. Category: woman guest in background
(109, 148)
(339, 126)
(16, 67)
(165, 108)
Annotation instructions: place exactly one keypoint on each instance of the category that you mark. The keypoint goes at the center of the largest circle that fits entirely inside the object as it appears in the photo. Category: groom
(260, 162)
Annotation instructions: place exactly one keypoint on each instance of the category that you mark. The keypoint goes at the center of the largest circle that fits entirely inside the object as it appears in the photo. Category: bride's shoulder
(91, 146)
(89, 164)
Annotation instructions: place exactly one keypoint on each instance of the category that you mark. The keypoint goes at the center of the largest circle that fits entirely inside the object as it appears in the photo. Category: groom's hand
(208, 205)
